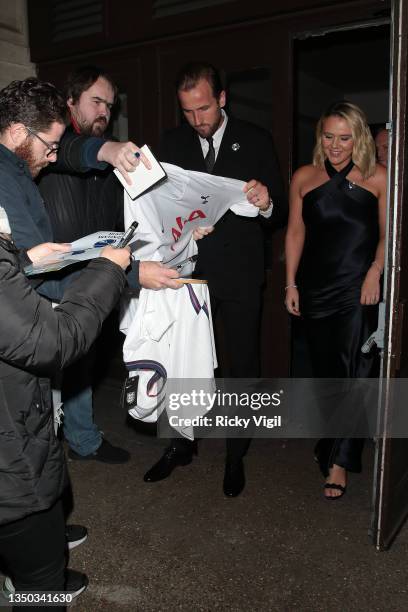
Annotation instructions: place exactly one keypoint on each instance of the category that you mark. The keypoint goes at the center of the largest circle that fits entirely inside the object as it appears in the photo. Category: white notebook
(142, 177)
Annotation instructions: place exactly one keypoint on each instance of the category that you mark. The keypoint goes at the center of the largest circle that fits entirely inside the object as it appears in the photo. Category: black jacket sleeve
(23, 258)
(78, 154)
(133, 275)
(271, 176)
(40, 339)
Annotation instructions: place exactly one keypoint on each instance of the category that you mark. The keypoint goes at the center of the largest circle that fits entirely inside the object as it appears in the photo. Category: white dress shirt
(217, 138)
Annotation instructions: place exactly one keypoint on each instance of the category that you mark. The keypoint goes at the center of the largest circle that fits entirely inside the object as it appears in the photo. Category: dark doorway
(352, 65)
(343, 64)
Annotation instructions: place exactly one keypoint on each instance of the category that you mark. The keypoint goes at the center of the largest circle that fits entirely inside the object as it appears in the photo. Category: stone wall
(14, 46)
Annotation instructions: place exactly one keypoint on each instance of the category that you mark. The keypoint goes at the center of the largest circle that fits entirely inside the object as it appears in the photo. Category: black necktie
(209, 159)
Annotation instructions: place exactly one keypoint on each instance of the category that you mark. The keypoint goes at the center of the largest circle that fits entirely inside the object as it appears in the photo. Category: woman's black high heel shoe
(338, 487)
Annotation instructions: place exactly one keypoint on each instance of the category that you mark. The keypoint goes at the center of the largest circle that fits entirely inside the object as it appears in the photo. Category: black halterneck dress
(342, 233)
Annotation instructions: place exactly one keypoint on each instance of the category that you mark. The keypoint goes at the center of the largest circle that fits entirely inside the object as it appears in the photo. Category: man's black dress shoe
(166, 464)
(234, 479)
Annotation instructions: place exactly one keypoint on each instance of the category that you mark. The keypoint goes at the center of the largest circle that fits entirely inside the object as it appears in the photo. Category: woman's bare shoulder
(378, 180)
(380, 173)
(305, 174)
(307, 178)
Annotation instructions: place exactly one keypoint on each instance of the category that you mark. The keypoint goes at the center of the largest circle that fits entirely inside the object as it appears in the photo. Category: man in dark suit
(231, 258)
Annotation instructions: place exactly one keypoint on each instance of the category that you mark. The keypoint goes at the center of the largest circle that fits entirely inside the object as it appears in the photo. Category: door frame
(385, 525)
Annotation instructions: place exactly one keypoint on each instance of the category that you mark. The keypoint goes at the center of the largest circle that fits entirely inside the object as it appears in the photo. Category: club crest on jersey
(235, 146)
(205, 199)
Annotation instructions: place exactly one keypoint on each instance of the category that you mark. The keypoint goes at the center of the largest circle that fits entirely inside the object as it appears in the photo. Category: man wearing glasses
(52, 149)
(32, 121)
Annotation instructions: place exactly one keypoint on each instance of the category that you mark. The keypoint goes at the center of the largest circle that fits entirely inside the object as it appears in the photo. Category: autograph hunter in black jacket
(36, 341)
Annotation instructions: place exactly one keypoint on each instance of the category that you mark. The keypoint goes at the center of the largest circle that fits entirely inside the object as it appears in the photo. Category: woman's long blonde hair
(363, 154)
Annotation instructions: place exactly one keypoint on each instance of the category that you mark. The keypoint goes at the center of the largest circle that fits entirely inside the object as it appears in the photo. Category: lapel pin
(235, 146)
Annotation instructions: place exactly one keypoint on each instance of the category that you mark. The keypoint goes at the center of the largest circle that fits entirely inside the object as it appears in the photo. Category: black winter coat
(35, 342)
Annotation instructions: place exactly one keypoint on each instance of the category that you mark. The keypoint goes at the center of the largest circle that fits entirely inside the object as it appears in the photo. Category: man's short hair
(193, 72)
(83, 78)
(34, 103)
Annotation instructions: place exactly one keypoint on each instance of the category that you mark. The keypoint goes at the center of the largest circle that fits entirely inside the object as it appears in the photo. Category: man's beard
(25, 152)
(209, 128)
(96, 128)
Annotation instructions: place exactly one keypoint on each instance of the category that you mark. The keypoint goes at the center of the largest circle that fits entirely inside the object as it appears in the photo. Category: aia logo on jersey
(180, 222)
(205, 199)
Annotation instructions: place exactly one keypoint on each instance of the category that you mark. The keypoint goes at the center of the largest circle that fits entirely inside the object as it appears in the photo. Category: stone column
(14, 47)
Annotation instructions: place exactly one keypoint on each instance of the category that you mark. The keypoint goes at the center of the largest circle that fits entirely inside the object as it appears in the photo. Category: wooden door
(390, 497)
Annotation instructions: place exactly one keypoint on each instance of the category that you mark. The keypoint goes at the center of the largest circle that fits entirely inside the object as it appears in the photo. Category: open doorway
(346, 64)
(350, 64)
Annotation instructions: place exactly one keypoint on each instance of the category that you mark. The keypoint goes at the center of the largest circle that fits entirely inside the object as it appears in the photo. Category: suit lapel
(229, 138)
(196, 161)
(194, 154)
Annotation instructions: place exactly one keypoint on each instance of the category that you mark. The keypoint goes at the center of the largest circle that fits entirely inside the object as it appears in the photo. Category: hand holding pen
(120, 257)
(123, 258)
(127, 236)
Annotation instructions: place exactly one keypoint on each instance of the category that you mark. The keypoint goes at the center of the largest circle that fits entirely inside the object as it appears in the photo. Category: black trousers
(33, 552)
(240, 323)
(335, 347)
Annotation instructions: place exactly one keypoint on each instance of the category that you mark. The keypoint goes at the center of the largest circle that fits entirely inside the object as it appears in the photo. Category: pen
(127, 236)
(181, 264)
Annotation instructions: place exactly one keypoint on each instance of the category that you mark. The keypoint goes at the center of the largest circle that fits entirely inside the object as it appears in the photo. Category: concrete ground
(180, 545)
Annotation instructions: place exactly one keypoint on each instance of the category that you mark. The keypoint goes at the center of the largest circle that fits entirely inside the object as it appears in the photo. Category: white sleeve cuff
(267, 213)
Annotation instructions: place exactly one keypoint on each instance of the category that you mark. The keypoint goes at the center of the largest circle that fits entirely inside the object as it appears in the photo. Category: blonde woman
(334, 261)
